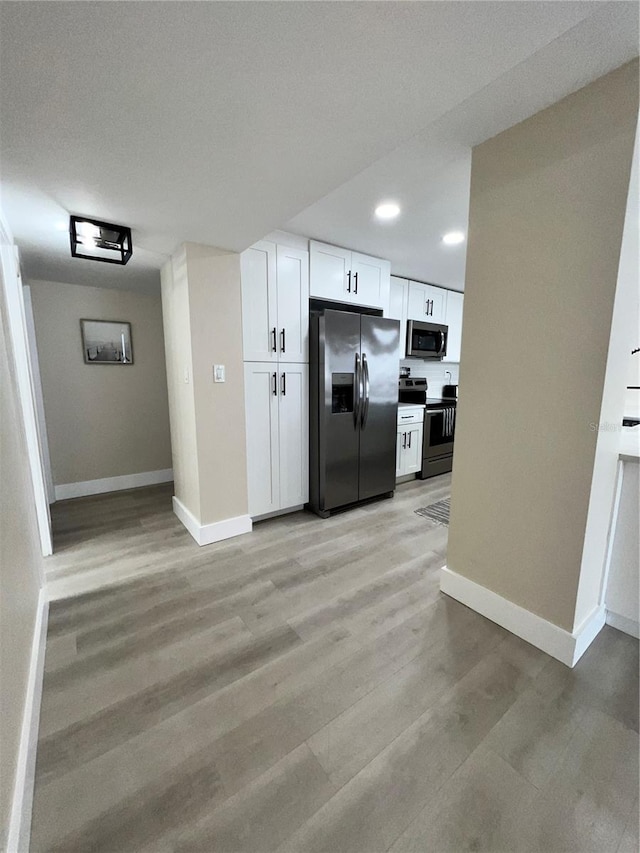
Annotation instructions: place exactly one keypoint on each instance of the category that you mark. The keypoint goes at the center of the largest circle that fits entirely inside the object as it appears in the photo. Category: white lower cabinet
(293, 412)
(277, 424)
(409, 441)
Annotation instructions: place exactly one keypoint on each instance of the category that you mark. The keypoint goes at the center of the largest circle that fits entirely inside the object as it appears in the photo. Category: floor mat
(436, 512)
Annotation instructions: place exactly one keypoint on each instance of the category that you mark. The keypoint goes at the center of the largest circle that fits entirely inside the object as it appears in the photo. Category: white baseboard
(22, 804)
(113, 484)
(624, 624)
(555, 641)
(206, 534)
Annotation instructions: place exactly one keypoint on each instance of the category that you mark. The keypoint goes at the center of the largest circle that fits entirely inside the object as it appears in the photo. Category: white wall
(20, 584)
(103, 421)
(622, 596)
(179, 365)
(625, 331)
(435, 373)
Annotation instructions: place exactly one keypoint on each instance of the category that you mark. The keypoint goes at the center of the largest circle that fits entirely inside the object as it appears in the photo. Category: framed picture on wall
(106, 342)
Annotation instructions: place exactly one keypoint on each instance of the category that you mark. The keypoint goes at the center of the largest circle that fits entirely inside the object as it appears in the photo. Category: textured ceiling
(218, 122)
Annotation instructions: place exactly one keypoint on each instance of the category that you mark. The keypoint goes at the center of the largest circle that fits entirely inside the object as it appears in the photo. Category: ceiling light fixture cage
(100, 241)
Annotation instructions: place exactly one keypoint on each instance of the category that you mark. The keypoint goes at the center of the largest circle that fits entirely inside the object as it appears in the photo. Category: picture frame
(106, 342)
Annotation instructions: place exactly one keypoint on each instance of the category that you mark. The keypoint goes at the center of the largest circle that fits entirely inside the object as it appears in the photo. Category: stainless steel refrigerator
(353, 409)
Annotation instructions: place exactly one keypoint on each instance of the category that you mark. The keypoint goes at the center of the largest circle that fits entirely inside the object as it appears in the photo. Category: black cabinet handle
(282, 341)
(275, 384)
(356, 282)
(404, 440)
(349, 282)
(274, 345)
(283, 386)
(409, 439)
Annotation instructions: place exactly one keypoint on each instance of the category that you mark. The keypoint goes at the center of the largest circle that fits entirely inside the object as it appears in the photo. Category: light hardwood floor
(307, 688)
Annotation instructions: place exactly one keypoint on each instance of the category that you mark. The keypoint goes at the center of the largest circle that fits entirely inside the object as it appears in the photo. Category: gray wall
(102, 420)
(548, 200)
(19, 571)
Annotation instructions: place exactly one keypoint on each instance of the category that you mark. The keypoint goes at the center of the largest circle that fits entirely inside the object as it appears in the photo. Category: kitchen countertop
(431, 401)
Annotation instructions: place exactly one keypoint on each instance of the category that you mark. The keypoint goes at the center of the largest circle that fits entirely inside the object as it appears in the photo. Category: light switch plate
(218, 372)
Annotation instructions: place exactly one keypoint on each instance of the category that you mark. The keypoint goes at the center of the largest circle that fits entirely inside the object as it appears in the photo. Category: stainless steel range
(439, 425)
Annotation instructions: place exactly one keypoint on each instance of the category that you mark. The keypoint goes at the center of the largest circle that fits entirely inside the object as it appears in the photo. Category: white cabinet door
(263, 463)
(455, 302)
(329, 269)
(293, 389)
(370, 281)
(293, 304)
(400, 452)
(417, 301)
(398, 295)
(426, 303)
(408, 449)
(438, 307)
(413, 449)
(259, 302)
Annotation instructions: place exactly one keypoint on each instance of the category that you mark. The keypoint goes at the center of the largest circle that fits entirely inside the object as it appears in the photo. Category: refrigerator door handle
(365, 407)
(358, 397)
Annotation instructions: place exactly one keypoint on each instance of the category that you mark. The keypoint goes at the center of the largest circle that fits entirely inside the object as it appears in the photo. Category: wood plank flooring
(306, 688)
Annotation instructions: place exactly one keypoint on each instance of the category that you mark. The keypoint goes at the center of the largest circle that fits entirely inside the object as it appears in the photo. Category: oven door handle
(428, 414)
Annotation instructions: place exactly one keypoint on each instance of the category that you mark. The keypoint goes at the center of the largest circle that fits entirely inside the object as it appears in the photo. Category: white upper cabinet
(398, 296)
(412, 300)
(370, 280)
(259, 302)
(426, 303)
(293, 304)
(330, 267)
(340, 275)
(455, 302)
(275, 303)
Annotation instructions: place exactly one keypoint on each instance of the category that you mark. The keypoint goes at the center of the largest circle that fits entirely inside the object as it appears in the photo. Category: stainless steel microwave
(426, 340)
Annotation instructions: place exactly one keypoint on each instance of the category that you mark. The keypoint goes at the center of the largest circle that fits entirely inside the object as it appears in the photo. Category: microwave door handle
(366, 388)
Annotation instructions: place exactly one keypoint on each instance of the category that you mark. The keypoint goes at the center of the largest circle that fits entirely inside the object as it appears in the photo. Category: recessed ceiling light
(388, 210)
(453, 238)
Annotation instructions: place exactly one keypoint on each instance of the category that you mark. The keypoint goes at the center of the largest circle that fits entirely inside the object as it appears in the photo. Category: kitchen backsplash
(434, 372)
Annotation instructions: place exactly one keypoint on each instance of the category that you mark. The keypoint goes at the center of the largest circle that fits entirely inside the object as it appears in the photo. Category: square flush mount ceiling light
(100, 241)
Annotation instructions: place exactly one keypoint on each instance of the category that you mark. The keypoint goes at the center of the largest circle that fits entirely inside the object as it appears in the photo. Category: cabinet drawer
(410, 416)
